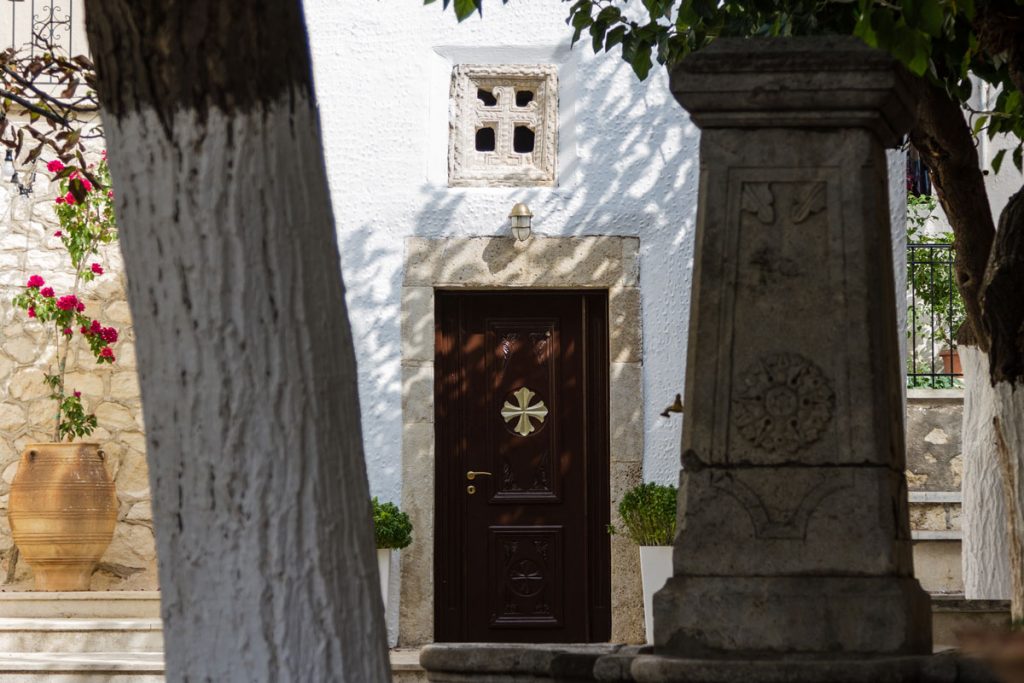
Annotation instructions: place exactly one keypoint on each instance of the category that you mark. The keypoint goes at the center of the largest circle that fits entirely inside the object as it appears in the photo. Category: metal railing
(935, 313)
(35, 25)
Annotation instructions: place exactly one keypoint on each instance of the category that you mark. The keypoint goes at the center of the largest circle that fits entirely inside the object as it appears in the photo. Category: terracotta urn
(62, 509)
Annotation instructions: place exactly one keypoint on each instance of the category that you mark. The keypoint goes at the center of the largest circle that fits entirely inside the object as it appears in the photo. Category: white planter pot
(655, 570)
(384, 569)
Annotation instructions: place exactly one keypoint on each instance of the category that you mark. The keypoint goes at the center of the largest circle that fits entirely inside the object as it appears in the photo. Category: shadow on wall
(633, 172)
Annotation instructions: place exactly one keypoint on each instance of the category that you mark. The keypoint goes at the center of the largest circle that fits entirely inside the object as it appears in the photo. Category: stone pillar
(794, 540)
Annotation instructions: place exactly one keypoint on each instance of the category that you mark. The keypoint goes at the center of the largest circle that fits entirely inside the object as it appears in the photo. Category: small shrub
(649, 514)
(391, 526)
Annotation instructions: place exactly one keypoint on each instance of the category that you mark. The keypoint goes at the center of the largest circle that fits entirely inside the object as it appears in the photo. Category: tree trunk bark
(1002, 307)
(984, 556)
(248, 378)
(1009, 436)
(946, 145)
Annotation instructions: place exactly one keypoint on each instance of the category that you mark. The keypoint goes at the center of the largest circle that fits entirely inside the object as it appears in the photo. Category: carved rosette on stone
(794, 534)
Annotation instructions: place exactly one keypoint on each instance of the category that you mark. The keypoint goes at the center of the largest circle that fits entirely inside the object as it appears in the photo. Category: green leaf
(614, 37)
(466, 8)
(931, 18)
(641, 61)
(979, 123)
(997, 160)
(1018, 158)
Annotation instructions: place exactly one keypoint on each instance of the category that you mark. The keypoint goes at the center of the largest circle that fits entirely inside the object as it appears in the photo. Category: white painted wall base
(655, 570)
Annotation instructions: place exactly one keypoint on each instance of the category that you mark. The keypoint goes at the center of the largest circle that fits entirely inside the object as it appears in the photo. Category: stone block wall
(934, 473)
(934, 459)
(934, 453)
(27, 246)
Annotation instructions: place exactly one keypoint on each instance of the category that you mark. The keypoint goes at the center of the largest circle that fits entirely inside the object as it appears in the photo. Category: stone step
(81, 604)
(137, 667)
(951, 613)
(81, 667)
(80, 635)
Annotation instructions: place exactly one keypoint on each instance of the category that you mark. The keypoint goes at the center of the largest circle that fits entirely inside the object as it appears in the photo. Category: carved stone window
(503, 129)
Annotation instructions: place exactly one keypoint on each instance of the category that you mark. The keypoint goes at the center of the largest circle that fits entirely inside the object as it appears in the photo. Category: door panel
(522, 478)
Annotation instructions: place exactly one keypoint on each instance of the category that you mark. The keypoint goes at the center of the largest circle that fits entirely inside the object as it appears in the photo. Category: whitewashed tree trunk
(1008, 428)
(260, 497)
(985, 557)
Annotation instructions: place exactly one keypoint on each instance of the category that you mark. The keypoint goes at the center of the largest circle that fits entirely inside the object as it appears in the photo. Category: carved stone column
(794, 540)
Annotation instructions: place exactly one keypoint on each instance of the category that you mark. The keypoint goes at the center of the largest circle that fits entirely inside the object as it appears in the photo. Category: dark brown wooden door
(521, 545)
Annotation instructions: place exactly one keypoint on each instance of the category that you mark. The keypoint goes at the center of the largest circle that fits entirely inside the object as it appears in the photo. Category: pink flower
(31, 311)
(104, 155)
(79, 307)
(58, 233)
(84, 330)
(97, 268)
(109, 335)
(47, 292)
(86, 184)
(55, 166)
(69, 198)
(78, 394)
(96, 328)
(67, 331)
(105, 352)
(110, 194)
(66, 303)
(35, 281)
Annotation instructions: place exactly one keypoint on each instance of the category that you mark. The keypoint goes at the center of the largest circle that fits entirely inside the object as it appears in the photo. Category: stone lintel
(808, 82)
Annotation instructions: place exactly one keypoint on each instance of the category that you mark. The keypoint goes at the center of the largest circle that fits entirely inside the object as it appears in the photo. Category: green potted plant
(648, 514)
(392, 530)
(62, 506)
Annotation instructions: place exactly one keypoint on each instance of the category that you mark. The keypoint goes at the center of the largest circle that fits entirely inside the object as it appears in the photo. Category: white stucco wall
(627, 166)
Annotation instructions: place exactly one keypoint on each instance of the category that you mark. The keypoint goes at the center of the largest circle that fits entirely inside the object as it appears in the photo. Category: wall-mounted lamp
(521, 220)
(11, 173)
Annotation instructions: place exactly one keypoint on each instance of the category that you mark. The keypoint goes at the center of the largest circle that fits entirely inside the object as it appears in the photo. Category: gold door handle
(471, 475)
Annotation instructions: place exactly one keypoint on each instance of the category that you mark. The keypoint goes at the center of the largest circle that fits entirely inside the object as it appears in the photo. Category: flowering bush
(85, 211)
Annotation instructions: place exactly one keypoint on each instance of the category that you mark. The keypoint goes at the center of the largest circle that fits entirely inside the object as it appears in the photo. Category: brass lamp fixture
(676, 407)
(521, 219)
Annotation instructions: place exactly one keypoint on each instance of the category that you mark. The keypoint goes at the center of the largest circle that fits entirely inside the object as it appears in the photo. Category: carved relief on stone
(777, 521)
(758, 198)
(783, 403)
(808, 199)
(503, 130)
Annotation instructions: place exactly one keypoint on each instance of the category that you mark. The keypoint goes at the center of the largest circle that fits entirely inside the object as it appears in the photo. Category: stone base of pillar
(710, 617)
(931, 669)
(567, 663)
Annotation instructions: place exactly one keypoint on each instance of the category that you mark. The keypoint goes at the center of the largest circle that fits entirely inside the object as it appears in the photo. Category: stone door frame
(593, 262)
